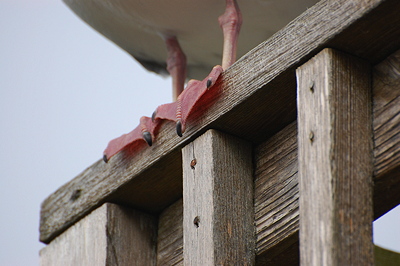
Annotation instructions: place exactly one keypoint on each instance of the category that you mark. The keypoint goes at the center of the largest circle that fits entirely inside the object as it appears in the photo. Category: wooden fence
(291, 163)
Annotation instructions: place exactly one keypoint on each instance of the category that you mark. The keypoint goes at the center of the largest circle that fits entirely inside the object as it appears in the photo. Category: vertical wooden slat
(335, 160)
(110, 235)
(218, 216)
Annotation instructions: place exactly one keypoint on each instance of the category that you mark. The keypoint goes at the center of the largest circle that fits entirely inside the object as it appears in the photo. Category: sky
(65, 91)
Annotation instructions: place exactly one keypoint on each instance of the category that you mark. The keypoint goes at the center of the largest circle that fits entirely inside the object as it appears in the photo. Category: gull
(183, 38)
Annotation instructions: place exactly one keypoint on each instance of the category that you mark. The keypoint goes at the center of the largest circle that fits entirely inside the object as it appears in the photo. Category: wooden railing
(283, 159)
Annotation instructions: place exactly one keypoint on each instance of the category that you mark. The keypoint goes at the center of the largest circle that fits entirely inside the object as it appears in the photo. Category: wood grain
(276, 185)
(335, 160)
(386, 97)
(276, 202)
(170, 235)
(386, 86)
(218, 211)
(276, 195)
(110, 235)
(265, 75)
(275, 166)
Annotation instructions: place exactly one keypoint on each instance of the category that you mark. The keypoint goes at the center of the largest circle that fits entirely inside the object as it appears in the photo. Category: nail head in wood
(311, 86)
(311, 136)
(196, 221)
(193, 163)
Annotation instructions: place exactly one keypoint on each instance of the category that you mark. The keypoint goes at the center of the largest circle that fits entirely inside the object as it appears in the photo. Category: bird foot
(180, 110)
(177, 112)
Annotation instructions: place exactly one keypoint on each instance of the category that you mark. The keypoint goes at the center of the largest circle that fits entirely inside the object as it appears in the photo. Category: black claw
(209, 83)
(105, 159)
(147, 138)
(153, 116)
(179, 128)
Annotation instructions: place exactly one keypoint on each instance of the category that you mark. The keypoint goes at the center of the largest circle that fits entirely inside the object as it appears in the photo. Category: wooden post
(335, 160)
(110, 235)
(218, 216)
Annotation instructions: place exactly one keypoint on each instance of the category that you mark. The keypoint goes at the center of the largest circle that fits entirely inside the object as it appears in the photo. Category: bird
(185, 39)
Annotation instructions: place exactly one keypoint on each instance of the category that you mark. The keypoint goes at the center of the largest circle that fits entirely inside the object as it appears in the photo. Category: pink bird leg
(230, 22)
(176, 65)
(189, 98)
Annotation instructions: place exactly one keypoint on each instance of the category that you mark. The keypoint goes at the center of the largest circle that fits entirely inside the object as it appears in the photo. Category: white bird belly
(137, 26)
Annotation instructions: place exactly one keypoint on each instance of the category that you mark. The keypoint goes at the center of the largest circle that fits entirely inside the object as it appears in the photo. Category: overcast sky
(65, 91)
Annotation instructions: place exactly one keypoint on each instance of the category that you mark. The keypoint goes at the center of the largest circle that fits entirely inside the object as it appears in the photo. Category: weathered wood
(276, 166)
(131, 236)
(276, 197)
(170, 235)
(276, 184)
(277, 223)
(386, 98)
(276, 189)
(265, 75)
(386, 86)
(276, 162)
(218, 211)
(335, 160)
(110, 235)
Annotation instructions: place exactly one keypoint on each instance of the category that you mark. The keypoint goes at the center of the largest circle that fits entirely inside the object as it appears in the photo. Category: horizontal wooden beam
(152, 179)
